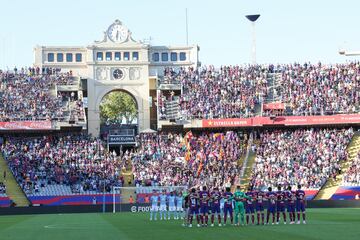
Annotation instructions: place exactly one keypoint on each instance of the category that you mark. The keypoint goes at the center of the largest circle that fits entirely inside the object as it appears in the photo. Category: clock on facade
(118, 74)
(117, 32)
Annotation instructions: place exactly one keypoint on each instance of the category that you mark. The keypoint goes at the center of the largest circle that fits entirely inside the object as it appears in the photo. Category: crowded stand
(304, 156)
(29, 95)
(231, 91)
(352, 175)
(320, 89)
(235, 91)
(196, 159)
(63, 164)
(68, 164)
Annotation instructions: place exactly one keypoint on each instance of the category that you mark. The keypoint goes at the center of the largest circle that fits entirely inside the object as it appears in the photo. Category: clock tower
(118, 62)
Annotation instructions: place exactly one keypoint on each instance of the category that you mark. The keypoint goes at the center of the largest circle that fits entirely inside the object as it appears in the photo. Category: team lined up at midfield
(224, 204)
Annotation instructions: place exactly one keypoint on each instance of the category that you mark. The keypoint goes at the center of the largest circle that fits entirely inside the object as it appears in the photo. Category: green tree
(117, 106)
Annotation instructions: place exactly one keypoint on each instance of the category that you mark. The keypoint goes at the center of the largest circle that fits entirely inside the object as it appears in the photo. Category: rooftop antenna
(252, 19)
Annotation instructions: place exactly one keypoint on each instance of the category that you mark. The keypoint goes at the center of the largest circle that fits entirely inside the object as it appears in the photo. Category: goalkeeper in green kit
(239, 198)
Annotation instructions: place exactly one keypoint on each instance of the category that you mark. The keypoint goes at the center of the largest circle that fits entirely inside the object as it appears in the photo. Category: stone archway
(101, 91)
(130, 106)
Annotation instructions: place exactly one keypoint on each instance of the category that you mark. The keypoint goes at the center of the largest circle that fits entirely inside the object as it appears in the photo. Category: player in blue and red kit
(204, 197)
(300, 204)
(193, 207)
(280, 205)
(228, 205)
(259, 204)
(250, 205)
(215, 206)
(290, 199)
(271, 197)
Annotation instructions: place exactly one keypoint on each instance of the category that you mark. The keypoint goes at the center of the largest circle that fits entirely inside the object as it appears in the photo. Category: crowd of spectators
(159, 159)
(320, 89)
(352, 175)
(27, 95)
(77, 160)
(206, 159)
(231, 91)
(287, 157)
(304, 156)
(235, 91)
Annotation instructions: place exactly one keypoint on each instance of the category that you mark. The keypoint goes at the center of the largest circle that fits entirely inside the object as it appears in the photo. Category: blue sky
(287, 31)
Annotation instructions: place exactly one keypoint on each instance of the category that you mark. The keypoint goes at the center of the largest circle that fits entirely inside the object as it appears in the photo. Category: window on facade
(173, 56)
(135, 56)
(117, 56)
(78, 57)
(50, 57)
(99, 56)
(155, 57)
(60, 57)
(69, 57)
(182, 56)
(108, 56)
(164, 57)
(126, 56)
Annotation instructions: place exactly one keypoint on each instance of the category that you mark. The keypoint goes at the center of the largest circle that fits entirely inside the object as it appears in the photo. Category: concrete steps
(332, 184)
(129, 185)
(240, 164)
(249, 164)
(13, 190)
(274, 88)
(248, 170)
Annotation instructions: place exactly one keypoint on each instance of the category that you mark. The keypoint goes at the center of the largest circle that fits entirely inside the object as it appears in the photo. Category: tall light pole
(252, 19)
(349, 53)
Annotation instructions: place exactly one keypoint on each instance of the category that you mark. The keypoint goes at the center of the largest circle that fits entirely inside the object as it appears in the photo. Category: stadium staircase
(249, 160)
(13, 190)
(274, 88)
(272, 93)
(332, 184)
(127, 174)
(270, 82)
(240, 164)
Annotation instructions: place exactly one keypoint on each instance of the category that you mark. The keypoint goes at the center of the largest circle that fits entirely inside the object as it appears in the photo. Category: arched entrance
(118, 107)
(97, 93)
(118, 120)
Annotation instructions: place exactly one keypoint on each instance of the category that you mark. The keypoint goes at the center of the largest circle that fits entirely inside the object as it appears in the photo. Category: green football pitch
(321, 224)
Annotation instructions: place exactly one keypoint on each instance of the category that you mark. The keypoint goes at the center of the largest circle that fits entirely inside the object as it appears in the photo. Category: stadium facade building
(118, 62)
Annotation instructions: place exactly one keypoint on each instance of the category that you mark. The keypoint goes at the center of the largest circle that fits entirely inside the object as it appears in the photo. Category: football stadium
(124, 138)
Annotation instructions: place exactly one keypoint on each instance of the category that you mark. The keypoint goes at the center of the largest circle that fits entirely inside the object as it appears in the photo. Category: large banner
(282, 120)
(228, 122)
(26, 125)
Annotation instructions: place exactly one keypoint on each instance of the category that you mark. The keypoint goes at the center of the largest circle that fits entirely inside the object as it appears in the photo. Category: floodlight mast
(349, 53)
(252, 19)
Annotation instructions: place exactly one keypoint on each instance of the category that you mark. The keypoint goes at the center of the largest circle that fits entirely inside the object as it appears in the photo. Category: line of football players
(203, 204)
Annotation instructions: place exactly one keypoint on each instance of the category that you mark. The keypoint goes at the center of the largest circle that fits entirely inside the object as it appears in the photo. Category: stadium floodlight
(348, 53)
(252, 18)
